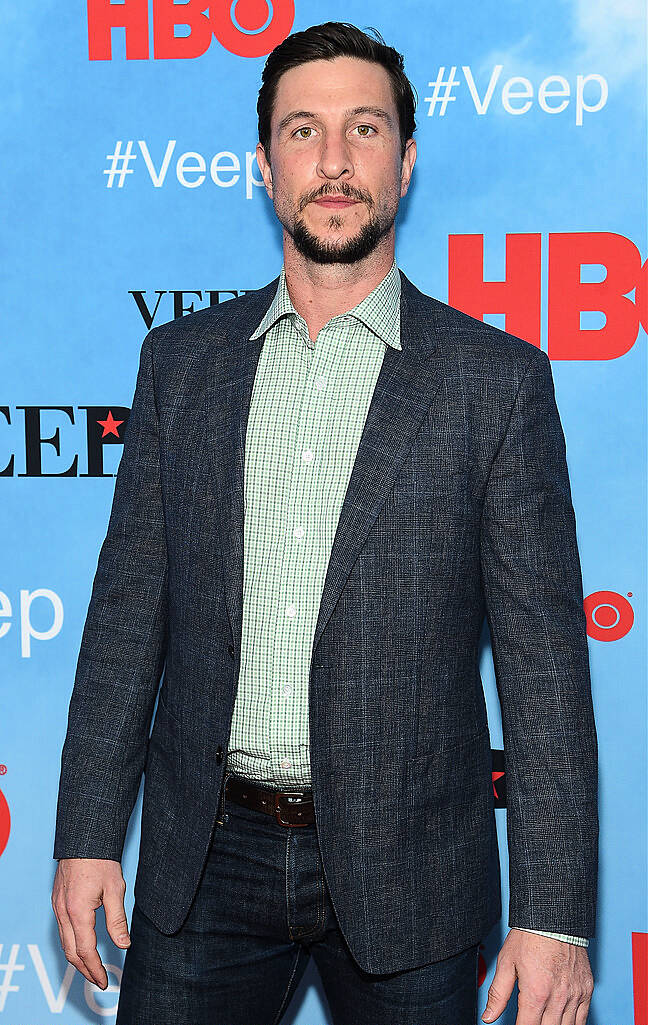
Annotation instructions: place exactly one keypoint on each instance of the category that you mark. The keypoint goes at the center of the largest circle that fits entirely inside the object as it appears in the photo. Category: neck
(319, 291)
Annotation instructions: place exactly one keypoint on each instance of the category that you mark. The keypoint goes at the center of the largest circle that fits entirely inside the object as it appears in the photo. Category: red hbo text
(253, 35)
(518, 295)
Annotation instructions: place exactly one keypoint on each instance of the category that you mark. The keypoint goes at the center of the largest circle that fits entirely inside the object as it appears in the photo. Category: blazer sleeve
(122, 649)
(533, 589)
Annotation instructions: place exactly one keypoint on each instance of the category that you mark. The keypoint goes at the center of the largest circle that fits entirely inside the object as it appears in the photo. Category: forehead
(332, 86)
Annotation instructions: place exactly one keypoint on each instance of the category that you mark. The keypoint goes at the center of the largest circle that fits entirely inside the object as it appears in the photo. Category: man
(326, 485)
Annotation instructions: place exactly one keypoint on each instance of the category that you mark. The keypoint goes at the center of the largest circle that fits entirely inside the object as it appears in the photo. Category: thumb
(116, 923)
(499, 991)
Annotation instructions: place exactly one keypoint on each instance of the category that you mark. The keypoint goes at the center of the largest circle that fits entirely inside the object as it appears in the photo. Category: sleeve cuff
(580, 941)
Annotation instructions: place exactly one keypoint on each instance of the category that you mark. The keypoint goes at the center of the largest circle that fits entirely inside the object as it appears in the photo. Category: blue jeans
(261, 911)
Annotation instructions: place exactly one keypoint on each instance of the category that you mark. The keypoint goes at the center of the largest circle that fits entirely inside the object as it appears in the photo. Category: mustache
(340, 190)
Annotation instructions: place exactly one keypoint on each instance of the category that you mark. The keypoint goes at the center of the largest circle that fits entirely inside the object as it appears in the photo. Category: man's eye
(363, 132)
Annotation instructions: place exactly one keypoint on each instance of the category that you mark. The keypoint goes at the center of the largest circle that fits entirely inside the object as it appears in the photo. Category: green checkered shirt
(308, 408)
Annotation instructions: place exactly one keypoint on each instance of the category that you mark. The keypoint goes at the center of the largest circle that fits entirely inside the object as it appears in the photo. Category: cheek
(386, 193)
(296, 178)
(380, 175)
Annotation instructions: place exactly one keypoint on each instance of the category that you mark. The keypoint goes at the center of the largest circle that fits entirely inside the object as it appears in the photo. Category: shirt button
(319, 383)
(298, 532)
(285, 763)
(291, 611)
(308, 455)
(287, 688)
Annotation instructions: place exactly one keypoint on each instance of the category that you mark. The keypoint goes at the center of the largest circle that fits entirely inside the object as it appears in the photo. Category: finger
(83, 923)
(569, 1013)
(116, 923)
(59, 924)
(552, 1014)
(68, 941)
(583, 1010)
(500, 990)
(555, 1010)
(531, 1012)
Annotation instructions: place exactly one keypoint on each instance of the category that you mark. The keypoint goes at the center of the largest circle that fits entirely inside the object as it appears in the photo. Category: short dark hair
(324, 42)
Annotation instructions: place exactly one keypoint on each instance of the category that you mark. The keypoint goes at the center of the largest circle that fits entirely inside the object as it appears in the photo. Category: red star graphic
(110, 425)
(495, 777)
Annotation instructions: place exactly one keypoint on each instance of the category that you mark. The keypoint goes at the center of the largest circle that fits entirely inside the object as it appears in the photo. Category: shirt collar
(379, 311)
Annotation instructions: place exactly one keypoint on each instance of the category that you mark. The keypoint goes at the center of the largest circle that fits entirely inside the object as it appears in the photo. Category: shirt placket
(301, 565)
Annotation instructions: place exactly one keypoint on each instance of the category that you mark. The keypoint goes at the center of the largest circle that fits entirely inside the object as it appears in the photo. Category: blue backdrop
(131, 195)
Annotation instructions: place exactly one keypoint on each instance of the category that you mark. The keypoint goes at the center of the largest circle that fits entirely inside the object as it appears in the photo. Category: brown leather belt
(289, 807)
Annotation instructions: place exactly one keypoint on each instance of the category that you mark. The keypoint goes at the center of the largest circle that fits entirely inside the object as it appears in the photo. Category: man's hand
(554, 979)
(81, 885)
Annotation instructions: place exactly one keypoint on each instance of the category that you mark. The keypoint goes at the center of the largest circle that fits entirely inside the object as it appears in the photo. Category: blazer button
(219, 755)
(230, 650)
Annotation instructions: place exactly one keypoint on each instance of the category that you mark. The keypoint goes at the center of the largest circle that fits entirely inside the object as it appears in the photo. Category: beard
(348, 250)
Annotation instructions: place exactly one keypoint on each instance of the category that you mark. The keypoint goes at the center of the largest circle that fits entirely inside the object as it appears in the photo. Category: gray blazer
(458, 507)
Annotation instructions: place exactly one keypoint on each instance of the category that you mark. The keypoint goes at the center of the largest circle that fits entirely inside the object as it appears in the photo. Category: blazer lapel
(407, 384)
(229, 396)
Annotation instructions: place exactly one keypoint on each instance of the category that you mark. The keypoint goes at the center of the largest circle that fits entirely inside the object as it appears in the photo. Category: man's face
(335, 175)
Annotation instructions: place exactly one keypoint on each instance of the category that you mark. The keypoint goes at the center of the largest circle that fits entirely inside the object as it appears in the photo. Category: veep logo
(25, 617)
(613, 258)
(248, 28)
(15, 977)
(105, 426)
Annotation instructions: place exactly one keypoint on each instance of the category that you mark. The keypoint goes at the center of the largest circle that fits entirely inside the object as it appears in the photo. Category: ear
(409, 159)
(264, 167)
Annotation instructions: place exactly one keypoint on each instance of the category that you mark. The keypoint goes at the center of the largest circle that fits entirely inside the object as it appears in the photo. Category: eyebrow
(296, 115)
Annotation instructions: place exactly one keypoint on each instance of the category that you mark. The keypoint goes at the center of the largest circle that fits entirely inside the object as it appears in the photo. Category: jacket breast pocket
(436, 488)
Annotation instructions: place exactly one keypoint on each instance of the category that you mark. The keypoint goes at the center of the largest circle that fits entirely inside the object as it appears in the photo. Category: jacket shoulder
(459, 335)
(191, 333)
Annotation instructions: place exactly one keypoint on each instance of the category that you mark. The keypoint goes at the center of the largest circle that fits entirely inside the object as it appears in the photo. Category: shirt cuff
(580, 941)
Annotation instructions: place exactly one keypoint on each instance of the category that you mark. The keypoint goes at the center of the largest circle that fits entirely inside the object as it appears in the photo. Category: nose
(335, 157)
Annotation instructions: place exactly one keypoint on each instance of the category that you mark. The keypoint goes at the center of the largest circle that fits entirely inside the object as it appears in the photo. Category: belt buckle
(277, 809)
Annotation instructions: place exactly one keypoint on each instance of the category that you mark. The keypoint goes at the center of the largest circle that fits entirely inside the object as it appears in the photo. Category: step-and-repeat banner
(132, 196)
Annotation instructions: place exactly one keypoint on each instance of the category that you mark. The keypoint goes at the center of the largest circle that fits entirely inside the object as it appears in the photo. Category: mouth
(335, 202)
